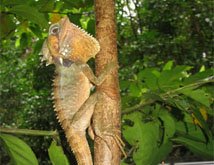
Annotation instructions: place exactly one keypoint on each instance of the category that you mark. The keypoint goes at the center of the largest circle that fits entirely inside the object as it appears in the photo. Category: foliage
(165, 58)
(25, 88)
(171, 106)
(21, 153)
(56, 155)
(158, 31)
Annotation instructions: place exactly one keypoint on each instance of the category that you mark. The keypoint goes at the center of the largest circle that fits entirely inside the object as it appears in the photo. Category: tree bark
(107, 110)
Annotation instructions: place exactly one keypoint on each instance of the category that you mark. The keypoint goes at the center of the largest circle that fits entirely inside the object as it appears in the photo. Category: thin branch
(197, 84)
(166, 94)
(137, 106)
(28, 132)
(55, 12)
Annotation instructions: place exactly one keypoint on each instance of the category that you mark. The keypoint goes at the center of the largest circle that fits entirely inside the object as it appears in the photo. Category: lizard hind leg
(76, 132)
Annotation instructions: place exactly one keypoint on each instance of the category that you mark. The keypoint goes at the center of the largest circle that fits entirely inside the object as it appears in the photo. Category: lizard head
(66, 44)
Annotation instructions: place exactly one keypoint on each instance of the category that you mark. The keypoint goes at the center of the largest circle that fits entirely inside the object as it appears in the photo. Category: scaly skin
(69, 48)
(71, 90)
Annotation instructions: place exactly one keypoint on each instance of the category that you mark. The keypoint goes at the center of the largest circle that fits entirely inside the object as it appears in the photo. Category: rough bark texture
(106, 117)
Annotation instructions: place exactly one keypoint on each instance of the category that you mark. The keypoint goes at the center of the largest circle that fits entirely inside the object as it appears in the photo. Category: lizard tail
(79, 146)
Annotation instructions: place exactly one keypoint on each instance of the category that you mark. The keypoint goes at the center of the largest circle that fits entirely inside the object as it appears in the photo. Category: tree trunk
(107, 110)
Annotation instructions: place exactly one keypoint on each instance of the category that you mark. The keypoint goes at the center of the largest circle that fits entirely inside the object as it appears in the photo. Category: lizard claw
(116, 138)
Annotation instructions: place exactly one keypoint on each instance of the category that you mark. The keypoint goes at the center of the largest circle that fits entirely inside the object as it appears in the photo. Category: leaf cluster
(167, 108)
(166, 84)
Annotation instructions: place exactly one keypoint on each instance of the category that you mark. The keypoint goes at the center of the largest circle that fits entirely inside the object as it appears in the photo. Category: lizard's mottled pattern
(71, 86)
(69, 48)
(67, 103)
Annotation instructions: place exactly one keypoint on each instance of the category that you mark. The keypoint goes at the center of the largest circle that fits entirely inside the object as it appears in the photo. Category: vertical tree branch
(107, 110)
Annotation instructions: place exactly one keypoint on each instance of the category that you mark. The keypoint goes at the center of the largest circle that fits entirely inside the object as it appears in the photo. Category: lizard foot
(116, 138)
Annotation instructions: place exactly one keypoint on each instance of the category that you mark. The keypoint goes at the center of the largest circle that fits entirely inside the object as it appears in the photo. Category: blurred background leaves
(166, 77)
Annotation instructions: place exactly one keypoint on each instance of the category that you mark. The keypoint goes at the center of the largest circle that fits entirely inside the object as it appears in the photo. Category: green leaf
(179, 102)
(190, 131)
(57, 155)
(202, 121)
(149, 76)
(171, 79)
(91, 26)
(161, 153)
(12, 2)
(193, 137)
(168, 65)
(202, 149)
(76, 4)
(9, 26)
(75, 18)
(46, 6)
(202, 69)
(30, 13)
(198, 95)
(145, 140)
(24, 40)
(38, 46)
(36, 30)
(168, 124)
(19, 151)
(123, 163)
(134, 90)
(124, 84)
(198, 76)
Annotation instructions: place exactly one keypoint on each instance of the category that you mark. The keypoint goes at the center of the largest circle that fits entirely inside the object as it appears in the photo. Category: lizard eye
(54, 29)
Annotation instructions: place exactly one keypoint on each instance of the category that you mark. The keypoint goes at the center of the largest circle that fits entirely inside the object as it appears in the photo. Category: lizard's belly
(71, 90)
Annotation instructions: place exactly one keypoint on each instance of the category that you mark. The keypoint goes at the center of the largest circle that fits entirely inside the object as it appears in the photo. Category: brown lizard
(69, 48)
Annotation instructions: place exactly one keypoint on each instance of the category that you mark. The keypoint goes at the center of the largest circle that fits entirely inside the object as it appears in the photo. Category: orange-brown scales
(67, 41)
(69, 48)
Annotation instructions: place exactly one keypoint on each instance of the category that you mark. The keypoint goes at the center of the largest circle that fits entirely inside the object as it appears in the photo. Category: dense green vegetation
(166, 79)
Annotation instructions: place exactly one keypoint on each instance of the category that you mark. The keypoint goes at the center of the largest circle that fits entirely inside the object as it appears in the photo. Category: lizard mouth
(63, 62)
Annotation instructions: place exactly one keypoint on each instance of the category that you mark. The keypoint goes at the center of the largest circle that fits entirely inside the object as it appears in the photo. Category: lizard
(69, 48)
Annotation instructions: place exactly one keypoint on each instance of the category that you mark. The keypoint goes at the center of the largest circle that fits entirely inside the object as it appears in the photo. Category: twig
(166, 94)
(28, 132)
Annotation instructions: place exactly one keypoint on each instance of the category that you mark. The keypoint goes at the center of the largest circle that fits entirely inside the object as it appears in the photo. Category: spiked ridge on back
(69, 48)
(65, 46)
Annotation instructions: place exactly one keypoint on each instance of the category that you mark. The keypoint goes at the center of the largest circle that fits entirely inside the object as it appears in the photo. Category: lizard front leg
(97, 80)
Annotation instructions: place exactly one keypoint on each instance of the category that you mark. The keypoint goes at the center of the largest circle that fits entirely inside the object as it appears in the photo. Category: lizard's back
(67, 46)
